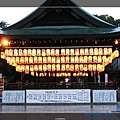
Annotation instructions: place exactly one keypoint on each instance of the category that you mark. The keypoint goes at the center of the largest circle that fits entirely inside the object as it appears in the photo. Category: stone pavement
(60, 112)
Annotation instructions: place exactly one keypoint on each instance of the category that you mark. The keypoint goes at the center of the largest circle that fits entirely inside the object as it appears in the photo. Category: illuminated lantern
(22, 60)
(30, 59)
(48, 52)
(63, 67)
(52, 52)
(22, 68)
(67, 67)
(69, 74)
(67, 52)
(43, 52)
(36, 68)
(86, 74)
(104, 58)
(58, 74)
(38, 52)
(85, 67)
(96, 51)
(29, 52)
(74, 74)
(27, 68)
(94, 67)
(31, 68)
(11, 52)
(90, 59)
(53, 67)
(15, 52)
(13, 60)
(81, 67)
(63, 51)
(67, 59)
(82, 52)
(25, 52)
(6, 52)
(62, 59)
(95, 59)
(109, 59)
(81, 59)
(39, 59)
(26, 60)
(91, 51)
(57, 59)
(53, 59)
(58, 67)
(86, 51)
(100, 51)
(90, 67)
(3, 55)
(76, 67)
(8, 59)
(32, 73)
(17, 60)
(76, 51)
(49, 67)
(99, 59)
(115, 54)
(57, 52)
(98, 67)
(105, 51)
(109, 51)
(44, 60)
(71, 67)
(85, 59)
(35, 59)
(44, 67)
(18, 68)
(72, 51)
(40, 67)
(72, 59)
(76, 59)
(33, 52)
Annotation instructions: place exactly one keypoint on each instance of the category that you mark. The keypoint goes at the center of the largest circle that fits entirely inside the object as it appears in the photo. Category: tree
(3, 24)
(109, 19)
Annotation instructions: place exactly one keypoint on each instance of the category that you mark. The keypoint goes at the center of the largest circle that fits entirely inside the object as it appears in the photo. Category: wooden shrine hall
(60, 45)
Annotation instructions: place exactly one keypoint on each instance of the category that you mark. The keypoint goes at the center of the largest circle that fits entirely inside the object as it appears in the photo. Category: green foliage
(109, 19)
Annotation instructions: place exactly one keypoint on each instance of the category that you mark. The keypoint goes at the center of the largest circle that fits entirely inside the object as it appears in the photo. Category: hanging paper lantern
(25, 52)
(38, 52)
(57, 52)
(29, 52)
(82, 52)
(16, 52)
(96, 52)
(91, 51)
(86, 51)
(33, 52)
(67, 52)
(77, 52)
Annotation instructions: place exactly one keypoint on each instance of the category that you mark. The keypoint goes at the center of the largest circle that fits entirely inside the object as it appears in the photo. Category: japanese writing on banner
(9, 96)
(58, 96)
(104, 96)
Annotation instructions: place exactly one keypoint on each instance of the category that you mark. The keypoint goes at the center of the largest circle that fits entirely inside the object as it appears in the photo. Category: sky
(11, 15)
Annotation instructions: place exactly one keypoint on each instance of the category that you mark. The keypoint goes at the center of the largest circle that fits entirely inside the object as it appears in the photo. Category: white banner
(58, 96)
(11, 96)
(104, 96)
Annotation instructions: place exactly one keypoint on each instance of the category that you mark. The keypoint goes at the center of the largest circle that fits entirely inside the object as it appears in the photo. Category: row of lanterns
(51, 63)
(58, 52)
(62, 59)
(62, 74)
(58, 67)
(67, 59)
